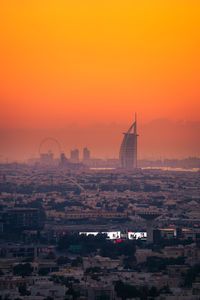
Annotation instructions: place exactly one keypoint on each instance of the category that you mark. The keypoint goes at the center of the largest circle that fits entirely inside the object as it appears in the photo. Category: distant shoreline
(154, 168)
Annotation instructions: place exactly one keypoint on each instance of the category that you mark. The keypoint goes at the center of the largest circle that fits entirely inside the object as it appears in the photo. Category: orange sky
(86, 61)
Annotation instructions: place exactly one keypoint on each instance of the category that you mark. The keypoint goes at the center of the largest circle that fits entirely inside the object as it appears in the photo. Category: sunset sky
(85, 62)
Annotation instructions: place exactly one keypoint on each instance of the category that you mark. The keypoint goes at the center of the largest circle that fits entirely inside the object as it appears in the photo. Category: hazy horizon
(158, 139)
(79, 70)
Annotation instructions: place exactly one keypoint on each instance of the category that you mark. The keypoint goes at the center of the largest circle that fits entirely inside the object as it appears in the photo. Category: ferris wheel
(49, 145)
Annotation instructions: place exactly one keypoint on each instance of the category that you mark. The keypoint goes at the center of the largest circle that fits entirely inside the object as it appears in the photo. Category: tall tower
(86, 154)
(128, 149)
(74, 156)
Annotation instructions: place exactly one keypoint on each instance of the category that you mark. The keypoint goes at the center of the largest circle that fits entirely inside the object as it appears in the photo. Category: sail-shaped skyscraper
(128, 149)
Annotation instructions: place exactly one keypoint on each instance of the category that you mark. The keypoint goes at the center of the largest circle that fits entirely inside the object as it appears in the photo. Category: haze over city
(99, 149)
(79, 70)
(159, 139)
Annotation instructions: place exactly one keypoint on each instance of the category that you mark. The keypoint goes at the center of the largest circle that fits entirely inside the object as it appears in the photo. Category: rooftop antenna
(135, 127)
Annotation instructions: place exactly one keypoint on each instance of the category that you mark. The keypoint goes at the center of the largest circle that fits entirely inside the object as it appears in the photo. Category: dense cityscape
(99, 150)
(83, 229)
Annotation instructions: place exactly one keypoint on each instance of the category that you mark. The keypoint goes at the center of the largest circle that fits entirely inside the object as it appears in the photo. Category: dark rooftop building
(19, 219)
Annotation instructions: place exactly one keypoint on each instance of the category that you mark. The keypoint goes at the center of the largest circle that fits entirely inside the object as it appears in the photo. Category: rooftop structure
(149, 217)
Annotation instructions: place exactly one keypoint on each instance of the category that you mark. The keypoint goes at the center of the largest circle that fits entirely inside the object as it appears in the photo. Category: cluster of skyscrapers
(127, 154)
(74, 155)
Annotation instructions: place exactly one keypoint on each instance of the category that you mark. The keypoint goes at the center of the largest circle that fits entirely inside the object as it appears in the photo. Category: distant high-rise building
(86, 154)
(63, 160)
(128, 149)
(47, 158)
(74, 155)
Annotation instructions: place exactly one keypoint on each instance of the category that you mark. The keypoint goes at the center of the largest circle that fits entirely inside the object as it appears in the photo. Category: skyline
(158, 139)
(71, 65)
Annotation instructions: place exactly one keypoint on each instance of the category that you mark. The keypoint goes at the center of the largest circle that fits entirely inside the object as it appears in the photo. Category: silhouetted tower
(64, 162)
(86, 154)
(149, 217)
(74, 155)
(128, 149)
(63, 158)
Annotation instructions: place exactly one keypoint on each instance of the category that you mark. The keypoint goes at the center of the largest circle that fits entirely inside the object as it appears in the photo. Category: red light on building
(63, 233)
(119, 240)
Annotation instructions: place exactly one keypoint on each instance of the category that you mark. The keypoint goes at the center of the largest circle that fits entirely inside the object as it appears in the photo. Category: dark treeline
(90, 244)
